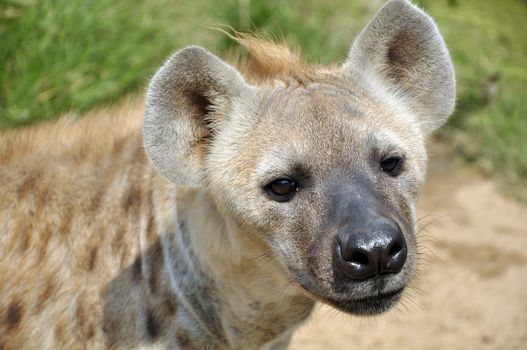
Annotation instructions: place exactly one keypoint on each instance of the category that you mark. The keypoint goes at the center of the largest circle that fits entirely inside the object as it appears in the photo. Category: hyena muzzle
(246, 200)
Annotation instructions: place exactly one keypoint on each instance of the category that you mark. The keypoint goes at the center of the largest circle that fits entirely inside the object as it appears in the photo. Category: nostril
(358, 258)
(395, 248)
(353, 260)
(395, 256)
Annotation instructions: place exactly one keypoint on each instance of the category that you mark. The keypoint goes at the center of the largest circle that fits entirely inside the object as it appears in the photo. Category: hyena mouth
(370, 305)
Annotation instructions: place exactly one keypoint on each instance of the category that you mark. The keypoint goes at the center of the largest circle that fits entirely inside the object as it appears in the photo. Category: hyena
(241, 202)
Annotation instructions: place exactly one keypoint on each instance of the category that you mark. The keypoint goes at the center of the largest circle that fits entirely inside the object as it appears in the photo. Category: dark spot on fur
(132, 199)
(46, 293)
(136, 269)
(14, 315)
(25, 241)
(61, 332)
(45, 236)
(23, 230)
(183, 338)
(152, 327)
(65, 224)
(90, 332)
(183, 226)
(26, 186)
(92, 258)
(151, 227)
(170, 304)
(155, 255)
(43, 199)
(79, 313)
(255, 305)
(87, 328)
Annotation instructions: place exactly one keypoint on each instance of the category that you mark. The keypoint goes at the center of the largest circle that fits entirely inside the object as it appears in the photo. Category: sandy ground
(472, 293)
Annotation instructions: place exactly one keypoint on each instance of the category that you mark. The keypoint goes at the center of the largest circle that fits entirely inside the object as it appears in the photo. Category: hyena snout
(367, 248)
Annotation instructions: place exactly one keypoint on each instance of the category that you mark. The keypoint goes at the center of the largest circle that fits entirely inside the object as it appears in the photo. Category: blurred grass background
(70, 55)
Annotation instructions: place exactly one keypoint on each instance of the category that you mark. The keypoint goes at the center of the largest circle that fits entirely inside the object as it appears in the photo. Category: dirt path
(473, 291)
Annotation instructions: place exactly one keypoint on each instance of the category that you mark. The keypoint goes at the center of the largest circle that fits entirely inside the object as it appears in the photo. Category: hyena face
(331, 183)
(324, 167)
(329, 177)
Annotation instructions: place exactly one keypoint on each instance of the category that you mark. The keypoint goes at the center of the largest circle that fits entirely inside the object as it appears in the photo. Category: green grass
(65, 55)
(321, 32)
(62, 55)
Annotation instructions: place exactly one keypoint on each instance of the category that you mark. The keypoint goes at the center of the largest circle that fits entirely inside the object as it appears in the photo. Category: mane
(269, 60)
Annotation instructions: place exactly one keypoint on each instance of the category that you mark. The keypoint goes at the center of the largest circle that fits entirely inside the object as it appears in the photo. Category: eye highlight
(392, 165)
(281, 190)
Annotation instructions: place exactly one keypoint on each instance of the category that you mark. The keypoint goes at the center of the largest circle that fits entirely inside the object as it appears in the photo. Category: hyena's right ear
(187, 101)
(402, 51)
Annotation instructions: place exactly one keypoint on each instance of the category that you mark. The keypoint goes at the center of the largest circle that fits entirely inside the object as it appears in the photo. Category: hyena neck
(232, 287)
(198, 278)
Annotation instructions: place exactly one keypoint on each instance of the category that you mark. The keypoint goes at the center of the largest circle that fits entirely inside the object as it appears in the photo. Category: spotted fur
(124, 232)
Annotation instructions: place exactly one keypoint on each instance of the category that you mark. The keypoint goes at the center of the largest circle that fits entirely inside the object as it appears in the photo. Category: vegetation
(66, 55)
(71, 55)
(488, 42)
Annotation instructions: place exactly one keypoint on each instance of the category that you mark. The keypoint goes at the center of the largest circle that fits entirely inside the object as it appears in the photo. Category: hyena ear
(401, 49)
(187, 101)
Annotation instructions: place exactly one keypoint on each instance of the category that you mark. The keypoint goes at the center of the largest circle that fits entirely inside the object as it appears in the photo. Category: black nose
(367, 249)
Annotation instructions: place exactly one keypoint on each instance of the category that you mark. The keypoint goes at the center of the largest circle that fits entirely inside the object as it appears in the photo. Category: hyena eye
(392, 165)
(281, 190)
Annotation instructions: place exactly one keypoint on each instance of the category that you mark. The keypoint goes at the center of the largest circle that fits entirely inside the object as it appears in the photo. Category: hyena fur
(240, 203)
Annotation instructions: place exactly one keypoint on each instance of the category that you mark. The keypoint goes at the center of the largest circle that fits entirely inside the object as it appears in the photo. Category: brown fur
(84, 157)
(270, 60)
(113, 237)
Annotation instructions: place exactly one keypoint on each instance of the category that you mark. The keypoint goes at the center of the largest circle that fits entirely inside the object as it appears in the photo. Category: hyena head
(325, 165)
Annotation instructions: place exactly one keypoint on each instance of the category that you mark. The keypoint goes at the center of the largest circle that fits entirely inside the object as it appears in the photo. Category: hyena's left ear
(402, 51)
(187, 101)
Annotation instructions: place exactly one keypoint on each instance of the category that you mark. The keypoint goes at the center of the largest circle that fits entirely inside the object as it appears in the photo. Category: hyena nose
(366, 252)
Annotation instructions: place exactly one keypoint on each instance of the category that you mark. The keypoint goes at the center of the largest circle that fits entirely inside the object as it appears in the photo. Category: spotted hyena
(241, 201)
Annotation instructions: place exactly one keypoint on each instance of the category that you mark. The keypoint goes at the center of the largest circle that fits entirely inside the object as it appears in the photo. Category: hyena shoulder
(70, 190)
